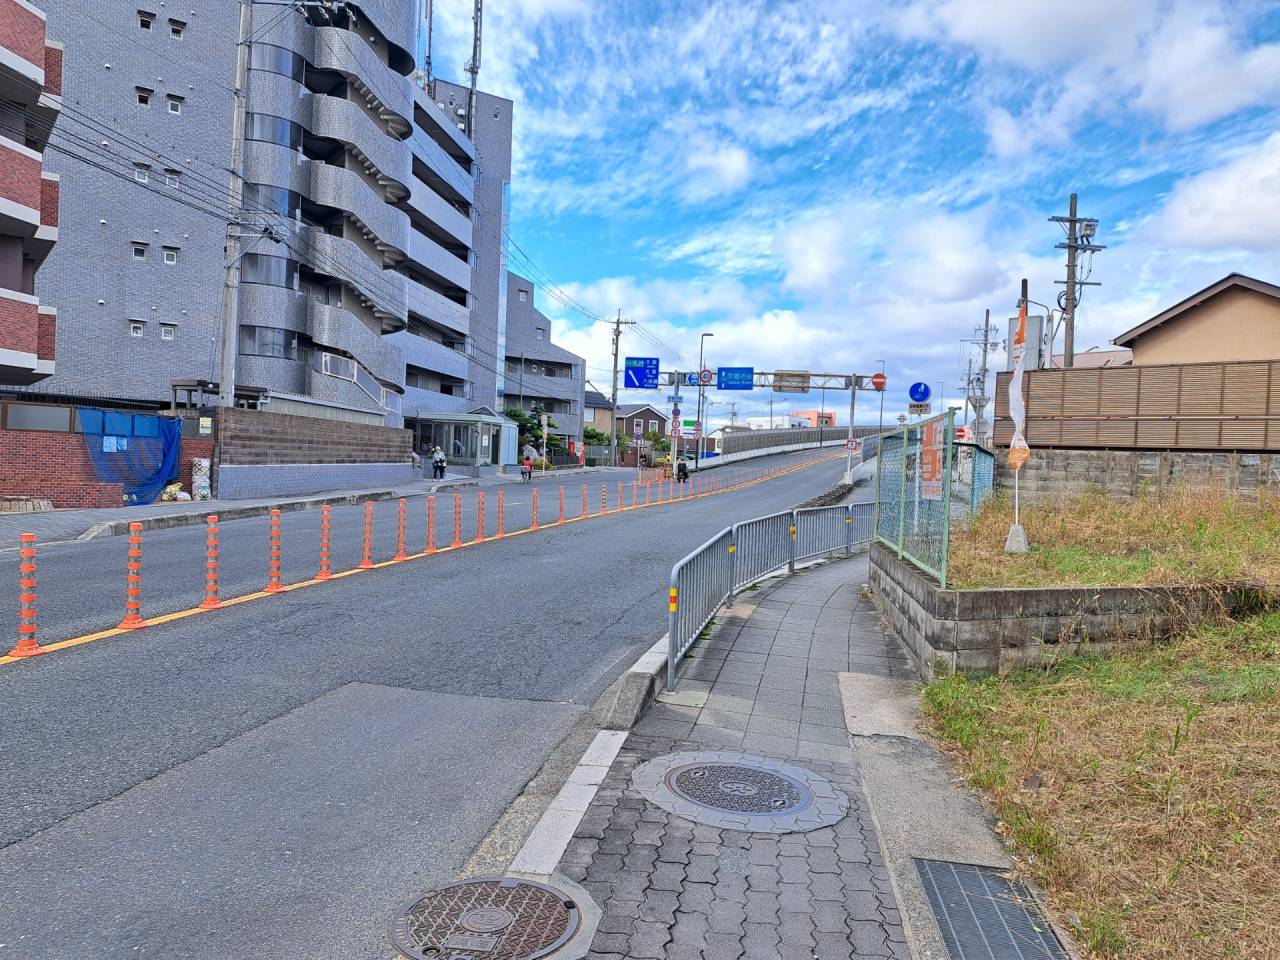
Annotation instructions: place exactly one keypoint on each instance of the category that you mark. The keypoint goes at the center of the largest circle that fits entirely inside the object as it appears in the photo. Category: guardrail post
(733, 558)
(848, 530)
(673, 645)
(791, 560)
(27, 645)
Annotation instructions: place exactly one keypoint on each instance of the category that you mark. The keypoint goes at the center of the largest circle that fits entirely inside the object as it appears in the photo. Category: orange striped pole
(325, 525)
(480, 517)
(561, 520)
(366, 558)
(618, 502)
(635, 494)
(533, 511)
(133, 582)
(431, 524)
(604, 498)
(27, 645)
(211, 601)
(273, 562)
(457, 520)
(400, 556)
(501, 532)
(585, 509)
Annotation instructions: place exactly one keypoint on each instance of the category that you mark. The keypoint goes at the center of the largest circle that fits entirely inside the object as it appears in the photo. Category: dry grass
(1142, 790)
(1188, 537)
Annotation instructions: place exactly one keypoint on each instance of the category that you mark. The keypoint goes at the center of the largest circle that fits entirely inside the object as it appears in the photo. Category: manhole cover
(738, 791)
(738, 788)
(494, 919)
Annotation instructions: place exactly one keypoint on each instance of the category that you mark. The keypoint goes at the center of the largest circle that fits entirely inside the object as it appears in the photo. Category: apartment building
(370, 276)
(30, 103)
(541, 375)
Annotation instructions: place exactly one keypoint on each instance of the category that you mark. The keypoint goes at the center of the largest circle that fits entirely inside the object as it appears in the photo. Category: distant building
(640, 419)
(30, 103)
(597, 411)
(815, 418)
(1095, 357)
(777, 421)
(539, 374)
(1237, 318)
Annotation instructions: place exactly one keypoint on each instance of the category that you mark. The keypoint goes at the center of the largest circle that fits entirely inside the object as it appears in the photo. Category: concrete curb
(635, 691)
(115, 528)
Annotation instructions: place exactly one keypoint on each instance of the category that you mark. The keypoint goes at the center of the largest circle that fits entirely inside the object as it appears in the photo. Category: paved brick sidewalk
(763, 683)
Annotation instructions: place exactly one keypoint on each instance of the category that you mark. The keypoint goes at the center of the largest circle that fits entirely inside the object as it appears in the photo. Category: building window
(172, 178)
(274, 271)
(144, 95)
(135, 328)
(271, 342)
(653, 426)
(141, 172)
(524, 296)
(139, 251)
(270, 129)
(170, 255)
(273, 59)
(539, 333)
(168, 331)
(176, 29)
(261, 197)
(175, 103)
(145, 20)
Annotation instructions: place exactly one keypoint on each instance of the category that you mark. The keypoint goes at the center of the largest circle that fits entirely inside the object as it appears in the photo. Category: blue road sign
(735, 378)
(919, 392)
(691, 379)
(641, 373)
(639, 428)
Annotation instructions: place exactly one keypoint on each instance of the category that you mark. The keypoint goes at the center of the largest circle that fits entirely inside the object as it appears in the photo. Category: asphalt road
(272, 779)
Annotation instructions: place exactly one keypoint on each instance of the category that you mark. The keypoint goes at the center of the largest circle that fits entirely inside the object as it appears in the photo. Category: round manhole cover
(494, 919)
(739, 789)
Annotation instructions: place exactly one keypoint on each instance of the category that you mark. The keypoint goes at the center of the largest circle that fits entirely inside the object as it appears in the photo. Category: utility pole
(473, 67)
(1080, 230)
(976, 385)
(235, 193)
(854, 382)
(426, 55)
(618, 324)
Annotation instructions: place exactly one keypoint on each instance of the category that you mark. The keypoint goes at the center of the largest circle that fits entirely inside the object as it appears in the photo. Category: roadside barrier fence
(749, 551)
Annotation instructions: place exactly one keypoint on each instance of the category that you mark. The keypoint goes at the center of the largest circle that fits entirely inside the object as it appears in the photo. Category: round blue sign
(919, 392)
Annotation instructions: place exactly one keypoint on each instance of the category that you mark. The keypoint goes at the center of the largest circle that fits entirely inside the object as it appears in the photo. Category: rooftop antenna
(473, 68)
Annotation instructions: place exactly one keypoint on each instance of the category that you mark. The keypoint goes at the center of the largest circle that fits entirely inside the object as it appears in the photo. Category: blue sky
(825, 185)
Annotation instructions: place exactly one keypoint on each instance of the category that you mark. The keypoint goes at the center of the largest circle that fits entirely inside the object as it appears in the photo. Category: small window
(170, 255)
(135, 328)
(144, 95)
(139, 251)
(653, 426)
(141, 172)
(172, 178)
(175, 103)
(167, 331)
(176, 29)
(539, 333)
(145, 20)
(524, 296)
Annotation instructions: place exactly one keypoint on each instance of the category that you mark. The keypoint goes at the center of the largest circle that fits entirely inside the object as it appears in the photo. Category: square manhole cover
(982, 915)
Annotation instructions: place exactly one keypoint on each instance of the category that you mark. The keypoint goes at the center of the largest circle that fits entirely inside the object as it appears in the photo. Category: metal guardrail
(749, 551)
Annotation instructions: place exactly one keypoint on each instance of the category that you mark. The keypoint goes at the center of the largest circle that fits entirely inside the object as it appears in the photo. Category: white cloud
(716, 170)
(815, 252)
(1236, 205)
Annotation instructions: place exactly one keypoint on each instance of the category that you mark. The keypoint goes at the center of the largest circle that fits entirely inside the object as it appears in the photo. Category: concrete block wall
(1060, 473)
(257, 438)
(243, 481)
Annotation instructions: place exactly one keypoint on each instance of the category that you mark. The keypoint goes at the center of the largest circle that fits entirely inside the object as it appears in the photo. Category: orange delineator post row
(27, 645)
(366, 546)
(273, 565)
(401, 556)
(133, 582)
(533, 511)
(211, 601)
(431, 524)
(325, 517)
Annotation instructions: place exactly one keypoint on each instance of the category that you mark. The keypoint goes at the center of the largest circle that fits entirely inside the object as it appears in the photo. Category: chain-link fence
(924, 481)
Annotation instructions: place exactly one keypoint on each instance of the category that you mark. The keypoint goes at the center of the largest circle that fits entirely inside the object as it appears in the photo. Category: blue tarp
(136, 450)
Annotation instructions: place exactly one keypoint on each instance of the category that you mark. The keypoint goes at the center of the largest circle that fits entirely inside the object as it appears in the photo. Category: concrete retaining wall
(257, 437)
(994, 631)
(243, 481)
(1058, 474)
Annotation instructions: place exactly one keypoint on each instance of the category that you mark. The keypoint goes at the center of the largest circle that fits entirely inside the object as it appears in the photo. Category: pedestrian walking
(682, 472)
(526, 468)
(438, 463)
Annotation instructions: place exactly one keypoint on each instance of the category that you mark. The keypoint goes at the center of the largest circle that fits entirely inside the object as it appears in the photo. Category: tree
(595, 438)
(530, 426)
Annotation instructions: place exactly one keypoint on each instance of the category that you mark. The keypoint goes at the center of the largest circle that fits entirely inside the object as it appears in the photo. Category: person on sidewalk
(526, 469)
(438, 463)
(682, 472)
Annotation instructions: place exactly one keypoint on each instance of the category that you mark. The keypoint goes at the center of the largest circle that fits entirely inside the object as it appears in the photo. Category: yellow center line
(163, 618)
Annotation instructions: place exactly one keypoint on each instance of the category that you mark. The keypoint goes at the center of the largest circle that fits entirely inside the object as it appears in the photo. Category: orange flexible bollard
(533, 511)
(501, 532)
(401, 556)
(211, 601)
(133, 582)
(585, 509)
(635, 494)
(618, 502)
(366, 558)
(561, 520)
(27, 645)
(479, 517)
(604, 498)
(326, 518)
(273, 561)
(431, 524)
(648, 492)
(457, 520)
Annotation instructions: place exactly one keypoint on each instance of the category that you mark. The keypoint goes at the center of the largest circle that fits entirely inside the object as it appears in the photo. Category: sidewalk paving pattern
(765, 684)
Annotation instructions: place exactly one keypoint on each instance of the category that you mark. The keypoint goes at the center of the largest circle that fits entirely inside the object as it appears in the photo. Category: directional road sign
(791, 381)
(735, 378)
(919, 392)
(691, 379)
(641, 373)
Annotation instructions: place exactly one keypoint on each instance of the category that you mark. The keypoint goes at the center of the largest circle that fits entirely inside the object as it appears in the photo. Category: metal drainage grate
(492, 919)
(738, 791)
(736, 788)
(982, 915)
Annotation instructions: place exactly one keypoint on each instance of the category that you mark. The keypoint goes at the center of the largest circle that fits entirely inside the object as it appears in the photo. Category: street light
(697, 450)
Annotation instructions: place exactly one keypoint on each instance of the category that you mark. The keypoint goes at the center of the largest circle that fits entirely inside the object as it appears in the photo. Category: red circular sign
(708, 376)
(878, 380)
